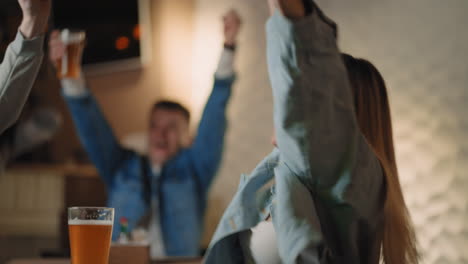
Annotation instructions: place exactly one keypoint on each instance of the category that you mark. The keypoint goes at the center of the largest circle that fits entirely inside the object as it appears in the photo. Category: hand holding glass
(69, 66)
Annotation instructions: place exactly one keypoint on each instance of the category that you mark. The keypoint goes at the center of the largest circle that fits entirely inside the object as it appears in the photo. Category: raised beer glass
(70, 64)
(90, 231)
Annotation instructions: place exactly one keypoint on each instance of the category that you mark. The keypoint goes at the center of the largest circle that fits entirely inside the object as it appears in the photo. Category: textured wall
(422, 52)
(251, 125)
(421, 48)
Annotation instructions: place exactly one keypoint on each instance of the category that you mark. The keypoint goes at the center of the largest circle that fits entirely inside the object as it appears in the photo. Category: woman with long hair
(398, 244)
(329, 192)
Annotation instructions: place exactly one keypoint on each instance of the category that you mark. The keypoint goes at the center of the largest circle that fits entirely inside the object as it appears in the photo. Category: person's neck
(156, 167)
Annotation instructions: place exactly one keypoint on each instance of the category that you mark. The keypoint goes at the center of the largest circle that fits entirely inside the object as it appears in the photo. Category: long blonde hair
(398, 244)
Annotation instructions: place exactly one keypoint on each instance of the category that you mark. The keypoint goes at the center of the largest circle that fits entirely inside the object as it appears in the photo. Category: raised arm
(318, 138)
(93, 129)
(22, 61)
(313, 111)
(208, 146)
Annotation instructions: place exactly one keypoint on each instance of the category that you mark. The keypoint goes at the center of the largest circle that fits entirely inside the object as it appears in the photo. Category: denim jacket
(327, 206)
(183, 184)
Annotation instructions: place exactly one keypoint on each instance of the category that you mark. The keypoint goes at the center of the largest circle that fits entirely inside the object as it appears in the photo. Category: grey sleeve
(317, 132)
(17, 74)
(314, 119)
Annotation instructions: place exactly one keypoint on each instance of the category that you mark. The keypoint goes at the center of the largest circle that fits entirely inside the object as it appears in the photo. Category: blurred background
(420, 46)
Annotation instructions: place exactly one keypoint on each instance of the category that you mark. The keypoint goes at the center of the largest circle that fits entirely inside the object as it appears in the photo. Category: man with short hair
(172, 182)
(22, 60)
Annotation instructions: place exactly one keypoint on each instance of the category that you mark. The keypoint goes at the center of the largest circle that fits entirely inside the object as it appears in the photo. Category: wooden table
(67, 261)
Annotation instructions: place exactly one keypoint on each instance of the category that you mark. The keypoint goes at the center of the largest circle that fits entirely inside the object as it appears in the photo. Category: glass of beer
(90, 231)
(70, 64)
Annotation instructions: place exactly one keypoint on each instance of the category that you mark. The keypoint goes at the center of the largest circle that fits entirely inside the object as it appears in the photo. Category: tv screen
(112, 27)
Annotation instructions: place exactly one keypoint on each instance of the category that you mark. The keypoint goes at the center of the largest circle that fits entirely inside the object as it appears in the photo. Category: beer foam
(89, 222)
(69, 37)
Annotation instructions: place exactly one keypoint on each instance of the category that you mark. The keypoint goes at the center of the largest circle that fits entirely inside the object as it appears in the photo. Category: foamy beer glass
(70, 64)
(90, 231)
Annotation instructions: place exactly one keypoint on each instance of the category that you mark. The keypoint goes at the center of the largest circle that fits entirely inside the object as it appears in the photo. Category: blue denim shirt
(329, 185)
(183, 184)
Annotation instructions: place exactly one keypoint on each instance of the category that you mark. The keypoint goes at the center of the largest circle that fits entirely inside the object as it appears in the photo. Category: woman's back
(331, 199)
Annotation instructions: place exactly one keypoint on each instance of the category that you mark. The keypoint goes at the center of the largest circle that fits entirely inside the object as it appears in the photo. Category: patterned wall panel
(421, 48)
(422, 51)
(30, 203)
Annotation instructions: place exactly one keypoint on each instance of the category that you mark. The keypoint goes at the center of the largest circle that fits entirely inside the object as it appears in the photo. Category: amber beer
(70, 64)
(90, 231)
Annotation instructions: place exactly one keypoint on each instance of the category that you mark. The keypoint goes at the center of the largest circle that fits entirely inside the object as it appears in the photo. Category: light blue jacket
(328, 194)
(184, 182)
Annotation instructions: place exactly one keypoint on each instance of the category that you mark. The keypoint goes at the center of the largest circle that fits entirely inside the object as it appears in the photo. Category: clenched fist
(232, 23)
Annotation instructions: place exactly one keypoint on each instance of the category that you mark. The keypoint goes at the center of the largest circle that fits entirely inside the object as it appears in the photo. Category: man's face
(168, 133)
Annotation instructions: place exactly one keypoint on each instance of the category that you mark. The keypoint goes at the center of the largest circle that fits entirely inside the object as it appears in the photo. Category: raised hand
(35, 17)
(56, 47)
(71, 67)
(232, 23)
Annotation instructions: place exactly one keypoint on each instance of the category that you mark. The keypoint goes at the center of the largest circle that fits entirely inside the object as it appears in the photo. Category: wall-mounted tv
(117, 31)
